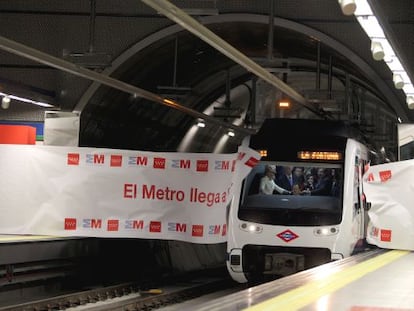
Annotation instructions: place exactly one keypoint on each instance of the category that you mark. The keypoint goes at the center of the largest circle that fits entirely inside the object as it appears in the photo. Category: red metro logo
(287, 235)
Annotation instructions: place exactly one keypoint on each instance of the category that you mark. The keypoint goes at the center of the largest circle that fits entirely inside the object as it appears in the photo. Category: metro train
(281, 233)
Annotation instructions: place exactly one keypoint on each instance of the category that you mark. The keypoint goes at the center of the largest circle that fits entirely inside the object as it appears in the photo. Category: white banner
(390, 190)
(71, 191)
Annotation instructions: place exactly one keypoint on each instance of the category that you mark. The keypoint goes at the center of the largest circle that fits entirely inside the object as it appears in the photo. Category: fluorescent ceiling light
(398, 81)
(348, 6)
(26, 100)
(377, 50)
(375, 32)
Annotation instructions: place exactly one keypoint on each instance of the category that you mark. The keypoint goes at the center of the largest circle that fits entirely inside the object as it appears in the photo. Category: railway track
(128, 296)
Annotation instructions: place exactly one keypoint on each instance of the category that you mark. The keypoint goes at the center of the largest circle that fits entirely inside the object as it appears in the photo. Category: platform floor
(378, 280)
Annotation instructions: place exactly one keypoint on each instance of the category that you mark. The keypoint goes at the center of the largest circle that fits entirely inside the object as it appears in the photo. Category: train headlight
(249, 227)
(325, 231)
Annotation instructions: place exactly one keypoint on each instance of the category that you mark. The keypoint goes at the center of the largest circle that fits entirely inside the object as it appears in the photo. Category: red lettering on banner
(385, 175)
(98, 158)
(155, 226)
(134, 224)
(185, 164)
(233, 165)
(224, 232)
(70, 223)
(130, 191)
(116, 160)
(202, 165)
(370, 177)
(113, 225)
(142, 161)
(252, 162)
(96, 223)
(197, 230)
(209, 198)
(216, 229)
(162, 194)
(385, 235)
(241, 155)
(159, 163)
(73, 158)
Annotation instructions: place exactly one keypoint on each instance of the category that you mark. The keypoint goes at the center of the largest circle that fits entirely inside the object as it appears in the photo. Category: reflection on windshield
(275, 193)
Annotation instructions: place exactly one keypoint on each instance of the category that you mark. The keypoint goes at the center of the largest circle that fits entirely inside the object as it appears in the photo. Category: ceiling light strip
(381, 47)
(26, 100)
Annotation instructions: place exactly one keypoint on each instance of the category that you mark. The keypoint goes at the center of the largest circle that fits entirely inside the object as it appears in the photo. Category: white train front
(302, 226)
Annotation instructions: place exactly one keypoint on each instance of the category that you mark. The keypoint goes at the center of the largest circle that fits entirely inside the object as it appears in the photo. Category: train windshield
(294, 194)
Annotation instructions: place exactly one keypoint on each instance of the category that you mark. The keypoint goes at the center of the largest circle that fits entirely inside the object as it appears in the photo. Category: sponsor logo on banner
(197, 230)
(179, 163)
(116, 160)
(224, 232)
(370, 177)
(134, 224)
(113, 225)
(233, 165)
(155, 226)
(374, 231)
(70, 223)
(95, 159)
(202, 165)
(177, 227)
(73, 158)
(252, 162)
(287, 235)
(241, 155)
(215, 230)
(385, 175)
(385, 235)
(222, 165)
(92, 223)
(137, 161)
(159, 163)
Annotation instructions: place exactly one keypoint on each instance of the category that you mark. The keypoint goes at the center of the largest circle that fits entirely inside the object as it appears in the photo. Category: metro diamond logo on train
(287, 235)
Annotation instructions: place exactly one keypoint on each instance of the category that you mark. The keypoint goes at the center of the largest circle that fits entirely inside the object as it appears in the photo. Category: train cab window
(303, 194)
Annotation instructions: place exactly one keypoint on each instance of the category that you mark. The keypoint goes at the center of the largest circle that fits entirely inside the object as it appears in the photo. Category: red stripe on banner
(252, 162)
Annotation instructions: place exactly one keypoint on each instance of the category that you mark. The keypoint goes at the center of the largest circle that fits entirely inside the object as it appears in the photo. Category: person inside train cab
(267, 182)
(298, 177)
(285, 180)
(323, 185)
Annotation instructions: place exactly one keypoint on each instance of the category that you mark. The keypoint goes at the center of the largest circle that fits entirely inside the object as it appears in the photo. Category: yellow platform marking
(310, 292)
(16, 238)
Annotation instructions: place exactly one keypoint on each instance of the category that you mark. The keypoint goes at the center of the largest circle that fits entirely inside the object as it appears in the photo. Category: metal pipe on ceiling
(58, 63)
(187, 22)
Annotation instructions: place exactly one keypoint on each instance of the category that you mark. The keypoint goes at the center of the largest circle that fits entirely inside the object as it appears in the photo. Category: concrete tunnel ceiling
(176, 64)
